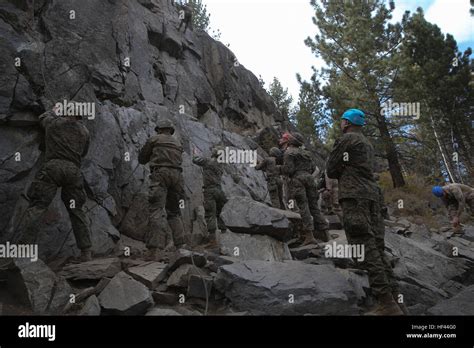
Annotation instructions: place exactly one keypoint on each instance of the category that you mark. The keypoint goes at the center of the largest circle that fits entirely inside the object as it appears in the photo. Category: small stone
(149, 274)
(91, 307)
(125, 296)
(199, 286)
(180, 277)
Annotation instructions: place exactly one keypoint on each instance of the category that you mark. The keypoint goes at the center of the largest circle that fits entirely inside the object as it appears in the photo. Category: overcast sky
(267, 35)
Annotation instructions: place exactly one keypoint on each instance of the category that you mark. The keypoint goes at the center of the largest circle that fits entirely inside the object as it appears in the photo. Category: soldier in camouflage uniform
(214, 197)
(186, 11)
(456, 197)
(164, 153)
(351, 162)
(67, 142)
(274, 182)
(298, 166)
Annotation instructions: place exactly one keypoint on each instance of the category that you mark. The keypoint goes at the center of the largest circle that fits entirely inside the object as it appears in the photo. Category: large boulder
(461, 304)
(425, 274)
(37, 286)
(244, 215)
(288, 288)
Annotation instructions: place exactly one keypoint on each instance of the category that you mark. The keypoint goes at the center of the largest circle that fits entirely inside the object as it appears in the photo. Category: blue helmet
(354, 116)
(437, 191)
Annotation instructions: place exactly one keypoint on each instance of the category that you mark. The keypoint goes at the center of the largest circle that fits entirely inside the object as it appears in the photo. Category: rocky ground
(249, 273)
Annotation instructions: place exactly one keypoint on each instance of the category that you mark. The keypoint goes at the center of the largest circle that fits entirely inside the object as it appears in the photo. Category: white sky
(267, 36)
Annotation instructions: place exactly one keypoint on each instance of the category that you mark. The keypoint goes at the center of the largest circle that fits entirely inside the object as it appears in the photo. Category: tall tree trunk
(391, 152)
(445, 160)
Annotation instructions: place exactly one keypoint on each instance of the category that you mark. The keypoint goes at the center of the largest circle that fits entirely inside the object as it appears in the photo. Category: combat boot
(308, 238)
(86, 255)
(386, 306)
(323, 235)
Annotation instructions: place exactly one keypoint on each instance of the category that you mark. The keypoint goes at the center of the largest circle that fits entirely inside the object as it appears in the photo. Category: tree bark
(391, 152)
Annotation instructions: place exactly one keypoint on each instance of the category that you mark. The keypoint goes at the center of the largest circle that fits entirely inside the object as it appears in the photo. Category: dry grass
(419, 204)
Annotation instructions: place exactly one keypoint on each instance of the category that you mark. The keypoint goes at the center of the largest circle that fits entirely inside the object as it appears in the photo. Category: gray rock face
(125, 296)
(86, 59)
(243, 215)
(38, 287)
(253, 247)
(461, 304)
(92, 270)
(269, 288)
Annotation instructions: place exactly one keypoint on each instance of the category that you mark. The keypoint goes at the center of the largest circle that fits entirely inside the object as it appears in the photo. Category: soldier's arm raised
(145, 153)
(335, 163)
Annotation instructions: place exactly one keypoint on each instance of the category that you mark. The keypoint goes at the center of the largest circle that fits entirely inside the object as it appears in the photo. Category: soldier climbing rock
(214, 197)
(186, 16)
(274, 181)
(164, 153)
(67, 142)
(298, 167)
(352, 162)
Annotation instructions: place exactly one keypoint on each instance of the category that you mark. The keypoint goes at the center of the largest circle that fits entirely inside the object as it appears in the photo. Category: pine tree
(360, 46)
(438, 75)
(309, 113)
(281, 97)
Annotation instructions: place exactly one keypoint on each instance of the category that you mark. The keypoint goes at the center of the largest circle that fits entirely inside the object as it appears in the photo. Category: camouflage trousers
(331, 200)
(165, 225)
(214, 201)
(303, 190)
(275, 189)
(364, 225)
(54, 174)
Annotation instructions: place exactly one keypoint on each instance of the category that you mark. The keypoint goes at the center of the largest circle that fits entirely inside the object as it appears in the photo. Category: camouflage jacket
(212, 171)
(269, 166)
(162, 150)
(351, 161)
(65, 139)
(297, 161)
(457, 193)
